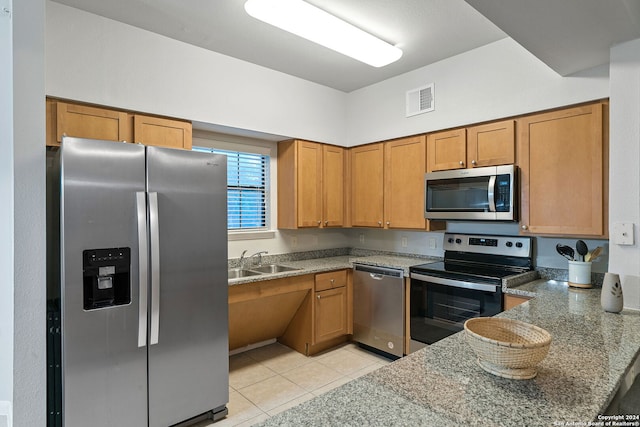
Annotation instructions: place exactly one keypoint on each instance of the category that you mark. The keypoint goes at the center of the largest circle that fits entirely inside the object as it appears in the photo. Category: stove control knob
(518, 244)
(509, 244)
(458, 241)
(450, 240)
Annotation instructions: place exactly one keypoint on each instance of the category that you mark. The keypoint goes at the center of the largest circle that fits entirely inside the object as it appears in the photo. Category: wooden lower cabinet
(511, 301)
(265, 310)
(308, 313)
(330, 314)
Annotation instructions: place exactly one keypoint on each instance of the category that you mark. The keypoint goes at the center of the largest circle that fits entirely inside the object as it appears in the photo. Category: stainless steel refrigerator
(142, 294)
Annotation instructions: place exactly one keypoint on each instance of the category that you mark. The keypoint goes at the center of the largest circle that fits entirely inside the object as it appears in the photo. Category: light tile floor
(270, 379)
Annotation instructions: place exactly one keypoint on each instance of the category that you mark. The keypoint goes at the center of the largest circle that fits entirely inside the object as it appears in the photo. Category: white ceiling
(568, 35)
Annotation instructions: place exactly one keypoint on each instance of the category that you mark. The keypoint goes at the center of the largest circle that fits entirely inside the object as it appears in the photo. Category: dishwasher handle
(378, 273)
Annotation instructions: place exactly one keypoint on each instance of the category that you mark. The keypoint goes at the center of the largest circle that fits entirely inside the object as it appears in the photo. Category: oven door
(439, 307)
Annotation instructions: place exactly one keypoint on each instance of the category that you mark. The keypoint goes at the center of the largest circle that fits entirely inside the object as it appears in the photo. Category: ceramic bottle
(611, 296)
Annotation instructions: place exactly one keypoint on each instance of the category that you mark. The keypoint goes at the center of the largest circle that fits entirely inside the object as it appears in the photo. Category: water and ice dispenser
(106, 277)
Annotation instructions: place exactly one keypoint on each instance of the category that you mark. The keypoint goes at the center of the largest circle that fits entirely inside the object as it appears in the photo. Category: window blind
(247, 189)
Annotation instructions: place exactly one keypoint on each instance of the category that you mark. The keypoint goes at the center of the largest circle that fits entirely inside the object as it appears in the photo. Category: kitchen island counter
(442, 385)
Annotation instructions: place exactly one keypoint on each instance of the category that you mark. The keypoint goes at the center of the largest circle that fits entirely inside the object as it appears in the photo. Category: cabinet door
(367, 185)
(90, 122)
(404, 168)
(446, 150)
(330, 318)
(162, 132)
(333, 186)
(309, 177)
(563, 169)
(491, 144)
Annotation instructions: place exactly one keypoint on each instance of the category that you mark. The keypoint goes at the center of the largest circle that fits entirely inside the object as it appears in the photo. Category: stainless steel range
(468, 283)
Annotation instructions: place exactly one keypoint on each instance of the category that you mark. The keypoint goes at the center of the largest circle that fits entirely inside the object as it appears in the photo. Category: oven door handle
(455, 283)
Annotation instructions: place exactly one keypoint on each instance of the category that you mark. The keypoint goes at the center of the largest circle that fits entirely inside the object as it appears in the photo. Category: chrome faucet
(259, 255)
(242, 260)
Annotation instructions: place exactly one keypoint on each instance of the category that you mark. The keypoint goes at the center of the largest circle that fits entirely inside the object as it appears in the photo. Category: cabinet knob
(461, 163)
(319, 222)
(388, 222)
(524, 227)
(473, 162)
(326, 223)
(379, 222)
(333, 281)
(318, 297)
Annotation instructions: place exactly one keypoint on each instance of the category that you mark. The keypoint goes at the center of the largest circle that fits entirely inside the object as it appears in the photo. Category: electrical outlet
(362, 238)
(623, 233)
(432, 243)
(294, 241)
(403, 242)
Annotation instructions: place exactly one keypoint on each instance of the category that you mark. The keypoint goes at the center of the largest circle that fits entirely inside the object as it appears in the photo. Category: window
(247, 189)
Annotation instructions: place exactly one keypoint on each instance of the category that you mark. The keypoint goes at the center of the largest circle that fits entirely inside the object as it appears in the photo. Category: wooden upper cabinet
(367, 185)
(162, 132)
(404, 168)
(310, 185)
(309, 182)
(333, 183)
(85, 122)
(563, 163)
(447, 150)
(491, 144)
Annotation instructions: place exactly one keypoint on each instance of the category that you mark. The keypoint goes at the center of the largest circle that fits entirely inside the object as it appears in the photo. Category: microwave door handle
(491, 193)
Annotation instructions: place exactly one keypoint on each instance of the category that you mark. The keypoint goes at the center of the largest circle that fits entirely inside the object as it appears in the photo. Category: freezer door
(104, 369)
(188, 351)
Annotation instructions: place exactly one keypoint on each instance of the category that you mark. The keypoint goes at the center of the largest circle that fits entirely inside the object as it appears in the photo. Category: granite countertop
(442, 385)
(318, 265)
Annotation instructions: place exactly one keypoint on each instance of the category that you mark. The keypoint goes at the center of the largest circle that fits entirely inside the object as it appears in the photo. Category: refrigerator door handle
(143, 266)
(154, 236)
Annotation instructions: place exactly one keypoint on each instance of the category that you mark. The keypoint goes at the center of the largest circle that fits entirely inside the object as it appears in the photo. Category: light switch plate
(623, 233)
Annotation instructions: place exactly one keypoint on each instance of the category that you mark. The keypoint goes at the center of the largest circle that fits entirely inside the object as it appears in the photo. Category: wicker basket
(507, 348)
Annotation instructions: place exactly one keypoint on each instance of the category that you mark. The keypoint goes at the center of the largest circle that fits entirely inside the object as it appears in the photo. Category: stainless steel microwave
(484, 194)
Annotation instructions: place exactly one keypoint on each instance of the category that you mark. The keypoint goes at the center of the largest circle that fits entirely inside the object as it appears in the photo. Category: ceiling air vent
(420, 100)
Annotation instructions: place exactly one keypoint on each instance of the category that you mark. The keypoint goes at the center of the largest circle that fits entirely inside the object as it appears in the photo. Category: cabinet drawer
(330, 280)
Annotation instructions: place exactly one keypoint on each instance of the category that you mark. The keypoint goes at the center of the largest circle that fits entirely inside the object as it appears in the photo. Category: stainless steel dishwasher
(378, 308)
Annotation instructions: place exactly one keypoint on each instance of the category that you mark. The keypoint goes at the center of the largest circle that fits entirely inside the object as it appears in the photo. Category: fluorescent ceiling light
(311, 23)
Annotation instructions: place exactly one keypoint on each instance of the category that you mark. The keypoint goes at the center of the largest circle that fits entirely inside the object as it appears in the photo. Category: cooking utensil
(565, 251)
(594, 254)
(582, 249)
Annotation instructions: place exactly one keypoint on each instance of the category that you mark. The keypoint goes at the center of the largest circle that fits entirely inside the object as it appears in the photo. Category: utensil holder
(580, 274)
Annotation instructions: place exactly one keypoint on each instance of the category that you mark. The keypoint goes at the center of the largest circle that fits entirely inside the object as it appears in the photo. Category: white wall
(98, 60)
(22, 214)
(624, 188)
(498, 80)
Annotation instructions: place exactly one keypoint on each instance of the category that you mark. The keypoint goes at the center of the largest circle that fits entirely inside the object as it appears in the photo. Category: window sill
(251, 235)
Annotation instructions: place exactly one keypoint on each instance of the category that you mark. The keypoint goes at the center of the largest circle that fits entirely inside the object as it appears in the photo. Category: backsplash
(324, 253)
(544, 272)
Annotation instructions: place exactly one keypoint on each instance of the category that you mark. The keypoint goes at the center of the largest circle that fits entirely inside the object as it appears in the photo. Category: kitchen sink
(235, 273)
(273, 268)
